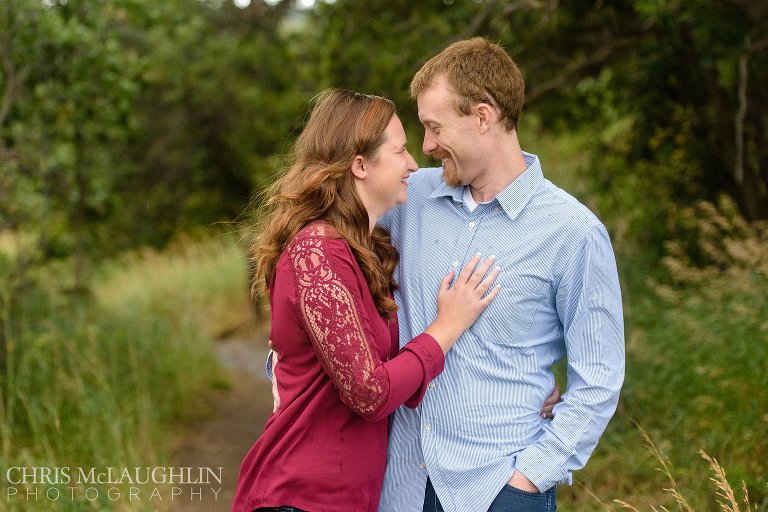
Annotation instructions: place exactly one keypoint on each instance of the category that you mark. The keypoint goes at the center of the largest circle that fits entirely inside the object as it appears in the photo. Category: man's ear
(358, 168)
(486, 116)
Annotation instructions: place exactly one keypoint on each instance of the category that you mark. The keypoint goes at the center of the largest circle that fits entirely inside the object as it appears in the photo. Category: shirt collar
(455, 193)
(514, 197)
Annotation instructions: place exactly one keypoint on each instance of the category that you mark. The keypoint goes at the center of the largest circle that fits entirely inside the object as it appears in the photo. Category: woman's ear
(358, 168)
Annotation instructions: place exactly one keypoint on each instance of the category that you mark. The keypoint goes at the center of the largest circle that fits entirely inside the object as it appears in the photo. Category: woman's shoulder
(318, 229)
(318, 237)
(318, 253)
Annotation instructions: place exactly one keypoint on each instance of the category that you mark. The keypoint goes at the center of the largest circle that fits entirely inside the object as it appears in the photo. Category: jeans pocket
(515, 490)
(512, 499)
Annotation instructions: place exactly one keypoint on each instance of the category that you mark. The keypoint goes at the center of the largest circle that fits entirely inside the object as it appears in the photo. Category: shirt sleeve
(330, 306)
(588, 302)
(385, 221)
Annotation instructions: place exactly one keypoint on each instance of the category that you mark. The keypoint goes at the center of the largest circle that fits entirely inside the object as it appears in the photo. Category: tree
(669, 90)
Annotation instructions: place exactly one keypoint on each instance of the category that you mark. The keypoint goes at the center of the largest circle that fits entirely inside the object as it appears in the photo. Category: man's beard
(451, 177)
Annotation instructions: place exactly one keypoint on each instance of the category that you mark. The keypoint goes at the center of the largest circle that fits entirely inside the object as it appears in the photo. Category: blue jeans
(508, 500)
(278, 509)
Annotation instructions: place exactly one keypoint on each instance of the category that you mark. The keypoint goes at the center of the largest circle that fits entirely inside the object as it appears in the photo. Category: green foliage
(70, 117)
(221, 98)
(672, 82)
(125, 122)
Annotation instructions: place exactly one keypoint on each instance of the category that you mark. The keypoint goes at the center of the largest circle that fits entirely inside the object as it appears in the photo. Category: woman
(329, 273)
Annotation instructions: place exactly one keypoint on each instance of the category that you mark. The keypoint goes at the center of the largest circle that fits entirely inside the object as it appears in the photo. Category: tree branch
(533, 4)
(5, 59)
(738, 166)
(750, 47)
(573, 68)
(13, 81)
(756, 10)
(478, 21)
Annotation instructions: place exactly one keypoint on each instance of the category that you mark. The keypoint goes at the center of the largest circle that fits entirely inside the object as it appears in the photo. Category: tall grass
(721, 487)
(96, 380)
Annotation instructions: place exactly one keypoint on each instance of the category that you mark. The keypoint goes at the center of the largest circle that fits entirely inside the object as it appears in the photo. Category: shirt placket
(467, 226)
(465, 247)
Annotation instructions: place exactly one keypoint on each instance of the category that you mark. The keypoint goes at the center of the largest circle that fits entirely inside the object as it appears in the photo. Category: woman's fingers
(480, 271)
(445, 284)
(492, 295)
(472, 274)
(488, 281)
(466, 272)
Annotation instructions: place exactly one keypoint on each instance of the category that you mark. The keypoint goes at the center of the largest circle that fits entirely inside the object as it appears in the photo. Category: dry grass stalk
(626, 505)
(727, 498)
(674, 491)
(595, 497)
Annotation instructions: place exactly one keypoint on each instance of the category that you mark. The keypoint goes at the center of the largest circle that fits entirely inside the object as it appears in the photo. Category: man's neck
(500, 169)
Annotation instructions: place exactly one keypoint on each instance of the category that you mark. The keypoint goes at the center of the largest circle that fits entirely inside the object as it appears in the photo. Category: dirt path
(238, 417)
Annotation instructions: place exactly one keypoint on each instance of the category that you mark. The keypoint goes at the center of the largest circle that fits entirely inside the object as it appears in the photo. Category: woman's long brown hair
(318, 185)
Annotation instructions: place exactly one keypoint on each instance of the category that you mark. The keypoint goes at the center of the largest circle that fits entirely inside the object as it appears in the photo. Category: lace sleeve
(335, 325)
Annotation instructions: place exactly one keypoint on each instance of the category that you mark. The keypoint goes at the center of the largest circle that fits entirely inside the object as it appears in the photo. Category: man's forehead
(434, 110)
(432, 105)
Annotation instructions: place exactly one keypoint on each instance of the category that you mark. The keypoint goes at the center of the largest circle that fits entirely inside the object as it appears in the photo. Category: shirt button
(422, 465)
(472, 224)
(455, 263)
(428, 427)
(431, 385)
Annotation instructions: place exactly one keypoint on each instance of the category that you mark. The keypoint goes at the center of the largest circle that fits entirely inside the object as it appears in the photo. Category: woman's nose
(412, 165)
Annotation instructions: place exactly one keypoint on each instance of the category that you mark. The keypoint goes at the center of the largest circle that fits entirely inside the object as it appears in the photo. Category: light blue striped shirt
(560, 296)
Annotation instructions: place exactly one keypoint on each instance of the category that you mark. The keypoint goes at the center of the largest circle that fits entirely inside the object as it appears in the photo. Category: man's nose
(429, 144)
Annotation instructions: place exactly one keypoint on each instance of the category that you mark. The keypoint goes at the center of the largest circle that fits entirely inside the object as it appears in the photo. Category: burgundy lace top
(340, 374)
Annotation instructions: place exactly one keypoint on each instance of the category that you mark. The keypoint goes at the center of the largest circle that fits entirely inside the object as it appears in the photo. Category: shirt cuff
(542, 468)
(268, 365)
(428, 350)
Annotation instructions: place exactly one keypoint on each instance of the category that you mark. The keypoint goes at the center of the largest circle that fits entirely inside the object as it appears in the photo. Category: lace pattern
(333, 322)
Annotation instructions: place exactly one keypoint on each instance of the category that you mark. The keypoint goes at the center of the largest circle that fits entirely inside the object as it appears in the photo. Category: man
(478, 442)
